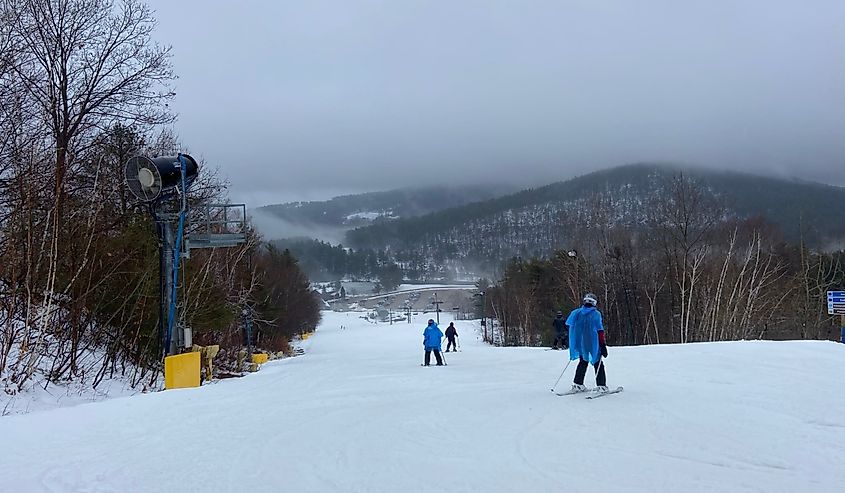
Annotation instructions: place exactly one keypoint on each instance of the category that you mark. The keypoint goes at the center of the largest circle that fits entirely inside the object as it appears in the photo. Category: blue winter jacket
(584, 327)
(432, 337)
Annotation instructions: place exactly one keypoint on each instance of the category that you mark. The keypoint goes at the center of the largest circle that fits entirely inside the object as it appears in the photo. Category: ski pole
(601, 367)
(442, 355)
(561, 375)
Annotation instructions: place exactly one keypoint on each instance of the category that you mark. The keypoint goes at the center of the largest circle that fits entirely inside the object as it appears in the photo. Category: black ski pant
(436, 355)
(451, 344)
(581, 372)
(561, 341)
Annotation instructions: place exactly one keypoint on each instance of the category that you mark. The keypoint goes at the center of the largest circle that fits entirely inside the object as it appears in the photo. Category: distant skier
(432, 338)
(559, 324)
(587, 342)
(451, 334)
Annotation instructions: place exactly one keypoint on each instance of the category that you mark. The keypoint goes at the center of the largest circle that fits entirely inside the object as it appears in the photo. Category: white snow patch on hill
(40, 396)
(92, 383)
(370, 216)
(357, 413)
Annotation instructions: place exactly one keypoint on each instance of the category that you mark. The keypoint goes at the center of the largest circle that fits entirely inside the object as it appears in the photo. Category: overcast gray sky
(306, 98)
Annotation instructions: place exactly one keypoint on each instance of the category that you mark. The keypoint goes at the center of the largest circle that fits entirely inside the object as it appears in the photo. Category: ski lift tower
(163, 183)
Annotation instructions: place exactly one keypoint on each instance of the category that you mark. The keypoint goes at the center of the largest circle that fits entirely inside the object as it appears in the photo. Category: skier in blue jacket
(587, 343)
(432, 337)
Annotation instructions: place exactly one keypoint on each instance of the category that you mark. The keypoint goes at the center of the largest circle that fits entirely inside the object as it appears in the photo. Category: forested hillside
(685, 269)
(366, 208)
(535, 222)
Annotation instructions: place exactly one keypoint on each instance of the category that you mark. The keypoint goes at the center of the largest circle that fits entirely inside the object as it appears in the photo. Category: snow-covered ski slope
(359, 414)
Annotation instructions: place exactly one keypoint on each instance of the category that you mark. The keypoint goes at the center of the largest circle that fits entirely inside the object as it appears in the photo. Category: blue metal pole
(171, 319)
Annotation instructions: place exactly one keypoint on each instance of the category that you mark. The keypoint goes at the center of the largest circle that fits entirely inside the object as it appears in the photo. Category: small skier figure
(451, 334)
(587, 343)
(559, 324)
(432, 338)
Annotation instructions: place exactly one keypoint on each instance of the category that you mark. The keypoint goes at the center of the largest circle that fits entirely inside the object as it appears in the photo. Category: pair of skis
(592, 393)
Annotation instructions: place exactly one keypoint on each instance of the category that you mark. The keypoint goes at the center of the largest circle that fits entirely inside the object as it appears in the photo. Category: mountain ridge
(352, 210)
(801, 210)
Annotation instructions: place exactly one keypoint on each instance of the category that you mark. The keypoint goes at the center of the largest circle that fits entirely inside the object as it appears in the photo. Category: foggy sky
(307, 99)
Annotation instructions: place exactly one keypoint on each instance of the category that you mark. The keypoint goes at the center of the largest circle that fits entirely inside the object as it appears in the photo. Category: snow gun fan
(162, 182)
(147, 177)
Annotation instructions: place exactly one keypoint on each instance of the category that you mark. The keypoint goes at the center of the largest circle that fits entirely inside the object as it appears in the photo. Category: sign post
(836, 306)
(437, 307)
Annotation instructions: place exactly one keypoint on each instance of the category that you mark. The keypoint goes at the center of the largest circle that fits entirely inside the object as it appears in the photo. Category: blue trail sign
(836, 302)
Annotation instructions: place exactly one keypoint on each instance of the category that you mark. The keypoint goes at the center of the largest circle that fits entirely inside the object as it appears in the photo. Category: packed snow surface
(358, 413)
(421, 288)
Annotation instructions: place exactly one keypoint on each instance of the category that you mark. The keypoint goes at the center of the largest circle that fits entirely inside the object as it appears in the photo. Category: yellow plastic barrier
(182, 371)
(259, 358)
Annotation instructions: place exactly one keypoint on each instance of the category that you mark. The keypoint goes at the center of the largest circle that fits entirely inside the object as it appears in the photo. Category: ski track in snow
(357, 413)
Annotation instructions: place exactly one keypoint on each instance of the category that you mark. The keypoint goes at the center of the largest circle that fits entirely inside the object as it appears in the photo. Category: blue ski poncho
(584, 326)
(432, 337)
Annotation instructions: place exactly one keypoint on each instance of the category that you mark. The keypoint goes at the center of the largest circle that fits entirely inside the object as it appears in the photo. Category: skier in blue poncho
(432, 338)
(587, 343)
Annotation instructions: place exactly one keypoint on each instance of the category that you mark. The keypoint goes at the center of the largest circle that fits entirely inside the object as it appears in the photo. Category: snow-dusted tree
(74, 69)
(684, 216)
